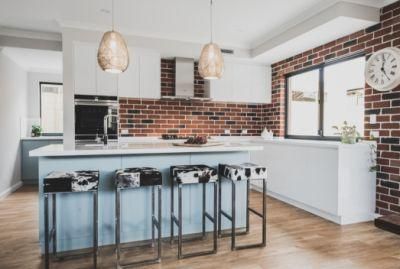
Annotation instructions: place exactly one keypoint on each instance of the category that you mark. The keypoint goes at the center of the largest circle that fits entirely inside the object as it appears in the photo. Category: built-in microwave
(90, 113)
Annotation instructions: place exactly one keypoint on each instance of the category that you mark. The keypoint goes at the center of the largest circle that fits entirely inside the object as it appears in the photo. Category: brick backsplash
(143, 117)
(385, 104)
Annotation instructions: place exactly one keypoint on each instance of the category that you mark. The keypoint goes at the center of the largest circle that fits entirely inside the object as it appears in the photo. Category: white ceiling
(36, 60)
(238, 23)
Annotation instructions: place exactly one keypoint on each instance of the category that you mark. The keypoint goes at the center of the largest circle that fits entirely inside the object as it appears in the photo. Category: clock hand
(384, 72)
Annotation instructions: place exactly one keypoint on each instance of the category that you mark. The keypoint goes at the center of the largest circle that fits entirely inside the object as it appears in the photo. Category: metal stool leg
(172, 209)
(54, 220)
(233, 235)
(117, 223)
(247, 206)
(46, 231)
(159, 223)
(215, 217)
(180, 221)
(204, 212)
(95, 229)
(152, 217)
(219, 206)
(264, 231)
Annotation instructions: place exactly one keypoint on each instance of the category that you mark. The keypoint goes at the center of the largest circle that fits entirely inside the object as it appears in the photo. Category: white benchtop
(136, 148)
(40, 138)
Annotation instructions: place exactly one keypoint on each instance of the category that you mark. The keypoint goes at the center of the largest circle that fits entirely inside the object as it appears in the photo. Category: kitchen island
(74, 211)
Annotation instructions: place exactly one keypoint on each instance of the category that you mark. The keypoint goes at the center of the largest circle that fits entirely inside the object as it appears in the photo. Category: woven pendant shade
(113, 56)
(211, 62)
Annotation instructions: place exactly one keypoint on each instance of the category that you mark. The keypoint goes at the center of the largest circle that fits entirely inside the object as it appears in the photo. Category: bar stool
(131, 178)
(193, 174)
(75, 182)
(234, 173)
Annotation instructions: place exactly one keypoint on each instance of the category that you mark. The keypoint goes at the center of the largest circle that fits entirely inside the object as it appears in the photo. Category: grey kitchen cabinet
(29, 165)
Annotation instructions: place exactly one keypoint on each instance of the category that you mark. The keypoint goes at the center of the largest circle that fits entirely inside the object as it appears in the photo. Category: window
(51, 107)
(323, 97)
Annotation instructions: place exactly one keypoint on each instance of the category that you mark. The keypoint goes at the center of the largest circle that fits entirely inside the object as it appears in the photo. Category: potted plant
(36, 130)
(349, 134)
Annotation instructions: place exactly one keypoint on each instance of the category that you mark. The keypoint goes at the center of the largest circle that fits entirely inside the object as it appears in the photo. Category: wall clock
(382, 71)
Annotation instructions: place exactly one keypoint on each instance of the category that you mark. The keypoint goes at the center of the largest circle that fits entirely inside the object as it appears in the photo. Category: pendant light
(113, 56)
(211, 62)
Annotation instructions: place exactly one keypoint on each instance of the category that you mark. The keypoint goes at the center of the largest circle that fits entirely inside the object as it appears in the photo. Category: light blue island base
(74, 211)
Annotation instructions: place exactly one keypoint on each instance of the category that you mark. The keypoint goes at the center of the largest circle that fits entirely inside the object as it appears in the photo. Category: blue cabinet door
(30, 165)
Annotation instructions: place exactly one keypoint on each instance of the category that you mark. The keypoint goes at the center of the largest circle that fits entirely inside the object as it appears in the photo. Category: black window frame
(321, 92)
(40, 104)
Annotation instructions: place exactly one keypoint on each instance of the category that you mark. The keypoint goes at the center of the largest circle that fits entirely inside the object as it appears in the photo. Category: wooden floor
(296, 240)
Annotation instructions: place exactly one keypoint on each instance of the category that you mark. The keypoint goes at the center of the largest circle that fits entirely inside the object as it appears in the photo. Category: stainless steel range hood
(184, 80)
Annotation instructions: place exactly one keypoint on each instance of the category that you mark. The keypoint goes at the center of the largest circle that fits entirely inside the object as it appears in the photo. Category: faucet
(106, 118)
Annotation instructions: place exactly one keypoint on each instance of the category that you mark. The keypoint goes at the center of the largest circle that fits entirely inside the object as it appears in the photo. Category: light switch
(372, 119)
(244, 131)
(227, 131)
(124, 131)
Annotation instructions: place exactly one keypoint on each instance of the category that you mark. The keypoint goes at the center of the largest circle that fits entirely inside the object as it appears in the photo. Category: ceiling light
(211, 62)
(113, 55)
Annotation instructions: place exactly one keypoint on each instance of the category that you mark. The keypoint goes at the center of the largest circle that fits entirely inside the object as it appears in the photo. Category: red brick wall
(386, 105)
(156, 117)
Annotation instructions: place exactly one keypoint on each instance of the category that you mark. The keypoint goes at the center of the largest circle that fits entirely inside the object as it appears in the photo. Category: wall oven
(89, 117)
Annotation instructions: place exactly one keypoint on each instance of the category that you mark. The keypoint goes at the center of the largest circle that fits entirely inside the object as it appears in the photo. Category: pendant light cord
(211, 20)
(112, 15)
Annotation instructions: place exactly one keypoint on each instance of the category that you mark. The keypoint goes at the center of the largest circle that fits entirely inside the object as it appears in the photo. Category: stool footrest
(156, 223)
(250, 246)
(256, 212)
(226, 215)
(176, 221)
(139, 263)
(225, 234)
(197, 254)
(209, 217)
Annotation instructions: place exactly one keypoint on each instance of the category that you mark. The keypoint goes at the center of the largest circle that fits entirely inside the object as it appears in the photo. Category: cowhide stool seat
(193, 174)
(132, 178)
(65, 182)
(243, 172)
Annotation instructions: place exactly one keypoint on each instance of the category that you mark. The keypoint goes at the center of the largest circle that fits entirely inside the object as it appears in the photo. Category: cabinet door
(129, 81)
(85, 68)
(106, 82)
(149, 69)
(259, 85)
(242, 91)
(222, 89)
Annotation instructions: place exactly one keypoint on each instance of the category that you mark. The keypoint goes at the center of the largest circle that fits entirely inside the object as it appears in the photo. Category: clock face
(382, 71)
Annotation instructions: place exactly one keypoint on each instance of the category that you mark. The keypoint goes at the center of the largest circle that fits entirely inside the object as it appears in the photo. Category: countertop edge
(43, 152)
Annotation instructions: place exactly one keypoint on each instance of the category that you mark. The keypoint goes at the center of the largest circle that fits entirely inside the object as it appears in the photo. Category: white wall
(34, 78)
(13, 106)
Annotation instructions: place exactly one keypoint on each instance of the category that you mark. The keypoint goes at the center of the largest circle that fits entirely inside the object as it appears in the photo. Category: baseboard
(312, 210)
(10, 190)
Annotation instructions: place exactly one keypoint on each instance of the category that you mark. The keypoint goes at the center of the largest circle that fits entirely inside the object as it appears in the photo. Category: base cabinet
(30, 165)
(329, 179)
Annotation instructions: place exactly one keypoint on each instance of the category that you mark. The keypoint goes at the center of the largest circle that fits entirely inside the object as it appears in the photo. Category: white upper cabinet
(128, 82)
(242, 83)
(142, 78)
(85, 68)
(106, 82)
(149, 69)
(222, 89)
(89, 79)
